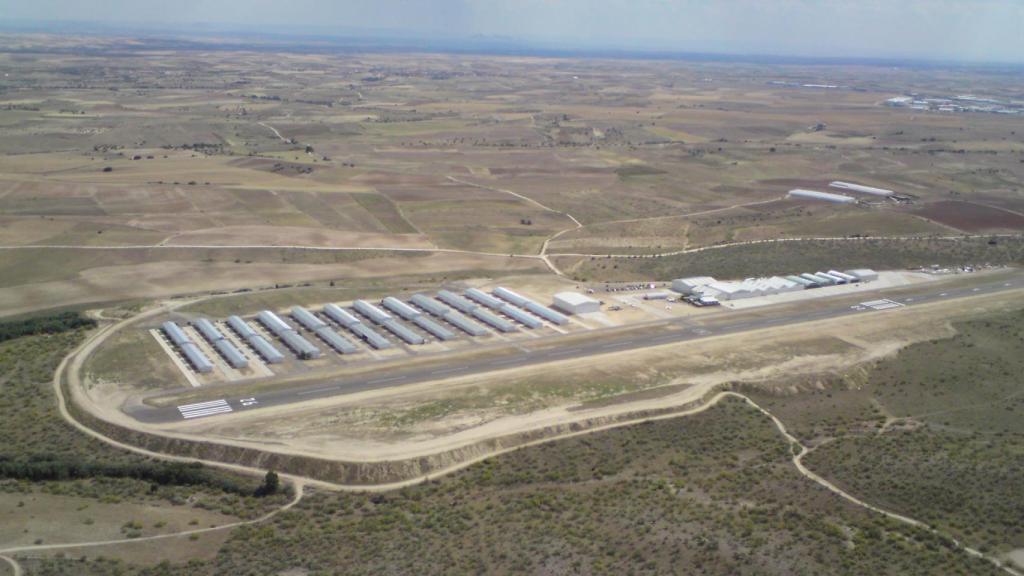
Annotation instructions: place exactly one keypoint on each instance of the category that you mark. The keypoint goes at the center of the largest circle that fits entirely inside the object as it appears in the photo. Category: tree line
(49, 324)
(50, 467)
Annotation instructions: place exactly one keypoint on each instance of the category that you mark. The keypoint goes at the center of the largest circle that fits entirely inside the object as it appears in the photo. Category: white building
(659, 295)
(750, 288)
(861, 188)
(826, 196)
(864, 274)
(576, 303)
(687, 286)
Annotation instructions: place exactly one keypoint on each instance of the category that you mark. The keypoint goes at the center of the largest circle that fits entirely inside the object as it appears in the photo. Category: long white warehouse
(826, 196)
(860, 188)
(529, 305)
(188, 348)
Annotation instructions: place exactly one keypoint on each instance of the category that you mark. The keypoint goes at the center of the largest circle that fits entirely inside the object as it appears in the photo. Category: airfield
(381, 412)
(608, 341)
(172, 186)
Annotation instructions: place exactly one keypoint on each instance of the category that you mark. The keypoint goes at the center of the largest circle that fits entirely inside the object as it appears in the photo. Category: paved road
(675, 330)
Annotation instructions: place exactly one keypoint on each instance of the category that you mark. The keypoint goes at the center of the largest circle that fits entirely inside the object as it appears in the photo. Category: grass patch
(634, 170)
(386, 212)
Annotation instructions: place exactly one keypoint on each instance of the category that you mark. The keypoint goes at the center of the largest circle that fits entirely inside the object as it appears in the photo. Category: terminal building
(695, 288)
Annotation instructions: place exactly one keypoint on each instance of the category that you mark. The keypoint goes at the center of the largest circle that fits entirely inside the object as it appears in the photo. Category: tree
(271, 484)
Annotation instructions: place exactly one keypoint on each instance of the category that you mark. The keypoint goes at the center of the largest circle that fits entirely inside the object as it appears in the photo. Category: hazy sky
(988, 30)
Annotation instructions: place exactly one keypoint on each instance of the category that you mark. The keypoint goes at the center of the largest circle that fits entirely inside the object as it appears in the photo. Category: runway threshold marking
(202, 409)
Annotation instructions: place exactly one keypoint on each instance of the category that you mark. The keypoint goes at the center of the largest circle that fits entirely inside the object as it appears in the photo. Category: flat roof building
(687, 286)
(750, 288)
(863, 274)
(576, 303)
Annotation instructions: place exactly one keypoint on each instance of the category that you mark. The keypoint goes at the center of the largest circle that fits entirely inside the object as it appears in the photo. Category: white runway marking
(201, 409)
(881, 304)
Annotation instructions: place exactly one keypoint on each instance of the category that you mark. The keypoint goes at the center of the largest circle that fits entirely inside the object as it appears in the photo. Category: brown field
(484, 154)
(972, 217)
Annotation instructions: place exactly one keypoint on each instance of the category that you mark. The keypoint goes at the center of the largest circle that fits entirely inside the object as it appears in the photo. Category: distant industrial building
(750, 288)
(323, 331)
(481, 297)
(187, 347)
(418, 318)
(860, 188)
(292, 339)
(214, 336)
(687, 286)
(356, 326)
(381, 317)
(527, 304)
(258, 343)
(576, 303)
(448, 315)
(826, 196)
(863, 274)
(459, 303)
(702, 290)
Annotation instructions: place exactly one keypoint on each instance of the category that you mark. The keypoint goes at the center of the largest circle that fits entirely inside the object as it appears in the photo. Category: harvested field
(972, 217)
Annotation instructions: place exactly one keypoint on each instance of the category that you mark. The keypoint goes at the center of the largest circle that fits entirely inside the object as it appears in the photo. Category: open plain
(143, 181)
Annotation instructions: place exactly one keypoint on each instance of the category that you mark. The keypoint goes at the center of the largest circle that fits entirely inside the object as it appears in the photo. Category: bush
(51, 324)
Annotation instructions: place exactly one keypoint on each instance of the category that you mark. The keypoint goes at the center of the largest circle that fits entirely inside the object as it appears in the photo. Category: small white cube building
(576, 303)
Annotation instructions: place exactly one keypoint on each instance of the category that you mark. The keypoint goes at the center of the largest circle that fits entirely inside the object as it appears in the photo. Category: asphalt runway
(671, 331)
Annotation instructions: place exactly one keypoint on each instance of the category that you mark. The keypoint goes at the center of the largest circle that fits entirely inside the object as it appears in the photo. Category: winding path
(297, 486)
(809, 474)
(71, 365)
(543, 255)
(15, 567)
(274, 130)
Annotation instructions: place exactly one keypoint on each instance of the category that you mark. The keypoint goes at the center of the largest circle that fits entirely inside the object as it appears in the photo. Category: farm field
(863, 428)
(191, 172)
